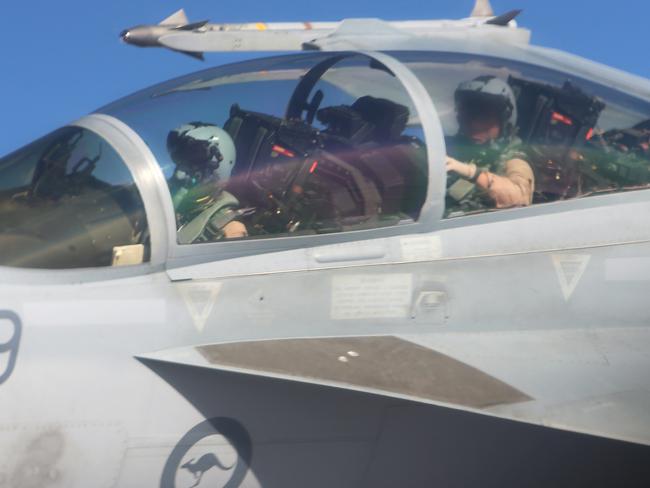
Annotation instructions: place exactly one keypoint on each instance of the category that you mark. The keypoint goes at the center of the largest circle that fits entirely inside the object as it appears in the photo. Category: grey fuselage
(508, 348)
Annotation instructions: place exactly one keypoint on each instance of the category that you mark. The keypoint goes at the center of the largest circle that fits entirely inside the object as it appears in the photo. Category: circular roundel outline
(231, 429)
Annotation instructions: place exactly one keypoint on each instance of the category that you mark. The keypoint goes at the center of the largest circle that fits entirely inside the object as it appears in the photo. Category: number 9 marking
(11, 346)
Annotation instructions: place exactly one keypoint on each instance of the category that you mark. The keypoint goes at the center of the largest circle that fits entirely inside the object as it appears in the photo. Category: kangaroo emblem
(233, 432)
(204, 464)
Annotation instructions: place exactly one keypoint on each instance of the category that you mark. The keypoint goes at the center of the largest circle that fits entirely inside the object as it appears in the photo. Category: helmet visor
(480, 108)
(194, 153)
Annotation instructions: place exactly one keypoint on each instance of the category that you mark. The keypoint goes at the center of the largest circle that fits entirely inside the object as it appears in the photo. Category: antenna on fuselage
(482, 8)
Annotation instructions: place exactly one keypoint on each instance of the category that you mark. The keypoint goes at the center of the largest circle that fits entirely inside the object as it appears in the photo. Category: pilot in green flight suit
(204, 155)
(486, 154)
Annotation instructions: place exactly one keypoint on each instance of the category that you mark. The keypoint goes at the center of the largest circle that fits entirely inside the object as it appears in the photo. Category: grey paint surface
(547, 301)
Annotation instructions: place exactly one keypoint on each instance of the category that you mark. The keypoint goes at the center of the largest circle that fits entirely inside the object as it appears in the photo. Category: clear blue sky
(62, 59)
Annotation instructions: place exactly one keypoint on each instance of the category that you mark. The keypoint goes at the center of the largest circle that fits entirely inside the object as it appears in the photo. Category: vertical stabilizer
(482, 8)
(177, 18)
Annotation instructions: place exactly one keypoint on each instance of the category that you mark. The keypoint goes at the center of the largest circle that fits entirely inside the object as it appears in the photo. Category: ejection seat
(359, 168)
(284, 168)
(372, 129)
(250, 132)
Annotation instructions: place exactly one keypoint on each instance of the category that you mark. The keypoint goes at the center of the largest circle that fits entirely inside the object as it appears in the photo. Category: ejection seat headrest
(344, 121)
(389, 118)
(368, 118)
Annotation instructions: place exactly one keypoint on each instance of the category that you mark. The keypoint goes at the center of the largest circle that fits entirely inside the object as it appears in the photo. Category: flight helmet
(202, 150)
(489, 93)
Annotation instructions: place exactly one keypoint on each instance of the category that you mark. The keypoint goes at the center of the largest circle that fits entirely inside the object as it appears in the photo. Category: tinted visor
(479, 107)
(194, 153)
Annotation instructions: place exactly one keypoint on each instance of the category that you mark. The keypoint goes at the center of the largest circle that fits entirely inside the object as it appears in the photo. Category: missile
(150, 35)
(194, 38)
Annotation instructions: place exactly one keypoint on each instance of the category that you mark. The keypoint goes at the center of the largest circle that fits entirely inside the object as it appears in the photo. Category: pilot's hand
(467, 171)
(234, 230)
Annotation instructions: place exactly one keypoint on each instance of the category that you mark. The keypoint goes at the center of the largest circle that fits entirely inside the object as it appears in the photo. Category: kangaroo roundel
(214, 453)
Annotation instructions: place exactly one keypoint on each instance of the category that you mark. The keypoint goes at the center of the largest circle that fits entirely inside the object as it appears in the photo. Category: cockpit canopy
(69, 201)
(321, 144)
(324, 144)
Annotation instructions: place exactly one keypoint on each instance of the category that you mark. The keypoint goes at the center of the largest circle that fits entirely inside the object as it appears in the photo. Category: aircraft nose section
(125, 35)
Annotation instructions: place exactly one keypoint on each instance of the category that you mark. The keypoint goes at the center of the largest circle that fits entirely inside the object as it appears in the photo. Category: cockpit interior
(358, 170)
(323, 143)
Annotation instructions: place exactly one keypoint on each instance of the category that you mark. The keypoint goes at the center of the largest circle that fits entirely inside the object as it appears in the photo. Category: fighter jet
(313, 270)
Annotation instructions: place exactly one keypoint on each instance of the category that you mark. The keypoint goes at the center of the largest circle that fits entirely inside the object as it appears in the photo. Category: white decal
(200, 299)
(371, 296)
(82, 312)
(569, 269)
(421, 248)
(627, 269)
(354, 251)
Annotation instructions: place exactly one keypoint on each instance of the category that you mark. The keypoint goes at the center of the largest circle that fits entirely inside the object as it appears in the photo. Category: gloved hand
(465, 170)
(234, 230)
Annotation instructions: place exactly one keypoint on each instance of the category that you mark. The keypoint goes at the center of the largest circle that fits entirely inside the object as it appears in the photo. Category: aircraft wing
(559, 379)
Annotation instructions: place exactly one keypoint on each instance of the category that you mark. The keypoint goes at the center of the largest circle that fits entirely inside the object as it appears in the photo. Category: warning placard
(369, 296)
